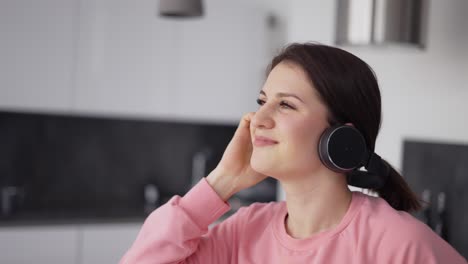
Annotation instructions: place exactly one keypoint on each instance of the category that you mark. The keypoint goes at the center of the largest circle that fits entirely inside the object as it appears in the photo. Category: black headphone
(343, 149)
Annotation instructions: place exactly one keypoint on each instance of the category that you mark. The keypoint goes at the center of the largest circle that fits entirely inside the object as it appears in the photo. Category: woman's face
(290, 114)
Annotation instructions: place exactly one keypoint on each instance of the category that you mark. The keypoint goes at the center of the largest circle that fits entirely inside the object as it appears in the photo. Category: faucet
(199, 164)
(8, 193)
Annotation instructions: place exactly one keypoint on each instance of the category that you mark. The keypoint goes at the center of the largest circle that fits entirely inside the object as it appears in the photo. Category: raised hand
(234, 172)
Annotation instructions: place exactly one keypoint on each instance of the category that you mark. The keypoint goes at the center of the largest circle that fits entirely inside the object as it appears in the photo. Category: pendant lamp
(181, 8)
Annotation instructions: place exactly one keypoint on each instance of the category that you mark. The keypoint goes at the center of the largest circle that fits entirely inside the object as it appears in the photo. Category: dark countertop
(77, 218)
(80, 218)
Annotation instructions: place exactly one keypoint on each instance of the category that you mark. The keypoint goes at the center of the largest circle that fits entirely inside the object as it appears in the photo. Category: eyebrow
(284, 95)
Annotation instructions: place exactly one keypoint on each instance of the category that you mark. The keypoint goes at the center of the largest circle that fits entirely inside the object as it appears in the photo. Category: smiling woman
(319, 105)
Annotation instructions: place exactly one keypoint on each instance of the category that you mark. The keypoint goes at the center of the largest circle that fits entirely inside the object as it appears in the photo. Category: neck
(315, 204)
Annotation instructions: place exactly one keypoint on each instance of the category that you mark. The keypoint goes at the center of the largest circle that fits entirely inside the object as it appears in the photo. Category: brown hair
(349, 89)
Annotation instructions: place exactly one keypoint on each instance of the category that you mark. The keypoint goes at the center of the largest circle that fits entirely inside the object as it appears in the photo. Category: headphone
(343, 149)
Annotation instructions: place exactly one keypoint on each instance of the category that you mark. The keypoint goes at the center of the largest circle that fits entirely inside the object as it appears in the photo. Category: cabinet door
(37, 54)
(125, 58)
(38, 245)
(221, 61)
(107, 243)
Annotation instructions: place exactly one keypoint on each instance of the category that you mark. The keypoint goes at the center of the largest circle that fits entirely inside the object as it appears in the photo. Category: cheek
(302, 141)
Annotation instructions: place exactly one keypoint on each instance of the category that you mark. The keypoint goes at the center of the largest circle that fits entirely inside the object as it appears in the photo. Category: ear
(349, 124)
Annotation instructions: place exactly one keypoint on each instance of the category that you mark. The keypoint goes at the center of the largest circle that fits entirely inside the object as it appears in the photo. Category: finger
(246, 119)
(244, 125)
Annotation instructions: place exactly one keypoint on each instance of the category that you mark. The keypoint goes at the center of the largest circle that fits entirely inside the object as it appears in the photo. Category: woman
(311, 92)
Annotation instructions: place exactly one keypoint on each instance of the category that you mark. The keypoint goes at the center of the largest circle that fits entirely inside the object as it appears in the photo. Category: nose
(263, 119)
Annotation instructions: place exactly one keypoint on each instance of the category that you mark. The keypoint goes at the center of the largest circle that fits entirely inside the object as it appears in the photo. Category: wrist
(222, 184)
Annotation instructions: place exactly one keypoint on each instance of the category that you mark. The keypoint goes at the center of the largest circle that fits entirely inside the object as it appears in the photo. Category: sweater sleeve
(433, 250)
(177, 232)
(421, 245)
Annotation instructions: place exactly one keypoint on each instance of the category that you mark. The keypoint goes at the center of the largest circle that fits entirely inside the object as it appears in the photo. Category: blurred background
(109, 108)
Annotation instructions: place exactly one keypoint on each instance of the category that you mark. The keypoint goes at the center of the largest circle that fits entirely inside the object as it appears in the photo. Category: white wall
(424, 92)
(37, 53)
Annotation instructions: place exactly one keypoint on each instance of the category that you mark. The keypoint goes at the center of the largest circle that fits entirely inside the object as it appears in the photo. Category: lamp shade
(181, 8)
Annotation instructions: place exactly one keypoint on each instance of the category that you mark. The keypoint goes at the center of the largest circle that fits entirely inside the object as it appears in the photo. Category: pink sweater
(370, 232)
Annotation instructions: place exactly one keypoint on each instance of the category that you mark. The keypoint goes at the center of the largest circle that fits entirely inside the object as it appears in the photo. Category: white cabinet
(37, 41)
(133, 62)
(221, 61)
(119, 57)
(74, 244)
(125, 59)
(38, 244)
(107, 243)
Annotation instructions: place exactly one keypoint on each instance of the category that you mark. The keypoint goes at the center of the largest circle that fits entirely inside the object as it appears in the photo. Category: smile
(262, 141)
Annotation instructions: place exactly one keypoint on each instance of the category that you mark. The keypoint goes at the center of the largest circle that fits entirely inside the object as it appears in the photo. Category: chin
(263, 165)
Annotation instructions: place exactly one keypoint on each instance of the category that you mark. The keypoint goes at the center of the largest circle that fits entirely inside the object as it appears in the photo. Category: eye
(284, 104)
(260, 102)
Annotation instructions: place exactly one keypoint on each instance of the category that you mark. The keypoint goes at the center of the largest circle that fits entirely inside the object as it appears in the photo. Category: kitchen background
(107, 109)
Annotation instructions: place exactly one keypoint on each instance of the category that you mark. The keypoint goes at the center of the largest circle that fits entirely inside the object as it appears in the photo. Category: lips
(260, 141)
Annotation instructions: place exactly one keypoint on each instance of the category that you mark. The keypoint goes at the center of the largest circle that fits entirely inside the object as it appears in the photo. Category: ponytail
(397, 192)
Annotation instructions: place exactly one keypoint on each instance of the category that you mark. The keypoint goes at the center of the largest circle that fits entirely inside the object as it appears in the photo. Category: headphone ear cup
(323, 149)
(342, 148)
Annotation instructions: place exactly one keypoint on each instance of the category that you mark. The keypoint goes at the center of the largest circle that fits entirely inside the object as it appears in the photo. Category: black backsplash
(70, 165)
(441, 169)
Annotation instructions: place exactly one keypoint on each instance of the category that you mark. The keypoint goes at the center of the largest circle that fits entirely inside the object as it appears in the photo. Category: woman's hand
(234, 172)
